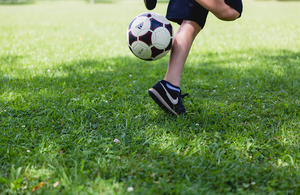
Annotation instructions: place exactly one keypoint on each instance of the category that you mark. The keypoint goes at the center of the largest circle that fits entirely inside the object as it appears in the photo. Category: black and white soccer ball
(150, 36)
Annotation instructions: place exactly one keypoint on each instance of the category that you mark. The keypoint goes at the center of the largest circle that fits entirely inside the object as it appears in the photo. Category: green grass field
(75, 116)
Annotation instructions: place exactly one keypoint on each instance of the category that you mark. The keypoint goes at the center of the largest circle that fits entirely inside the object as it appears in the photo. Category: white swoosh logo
(174, 101)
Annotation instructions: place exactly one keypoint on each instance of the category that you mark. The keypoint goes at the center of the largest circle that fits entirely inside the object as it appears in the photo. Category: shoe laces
(183, 95)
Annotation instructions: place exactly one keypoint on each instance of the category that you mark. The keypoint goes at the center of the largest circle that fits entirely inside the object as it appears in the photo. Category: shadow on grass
(239, 111)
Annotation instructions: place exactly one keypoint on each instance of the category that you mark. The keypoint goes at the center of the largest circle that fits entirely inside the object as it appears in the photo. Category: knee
(191, 26)
(227, 14)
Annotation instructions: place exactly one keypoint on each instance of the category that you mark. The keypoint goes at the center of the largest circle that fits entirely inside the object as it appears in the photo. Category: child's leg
(191, 15)
(182, 43)
(220, 9)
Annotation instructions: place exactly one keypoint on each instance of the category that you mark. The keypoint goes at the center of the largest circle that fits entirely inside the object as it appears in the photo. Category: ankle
(173, 82)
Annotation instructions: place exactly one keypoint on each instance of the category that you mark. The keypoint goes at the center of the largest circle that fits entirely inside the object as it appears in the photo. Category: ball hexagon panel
(141, 50)
(140, 26)
(161, 38)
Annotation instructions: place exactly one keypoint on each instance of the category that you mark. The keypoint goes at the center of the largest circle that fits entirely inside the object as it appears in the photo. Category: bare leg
(182, 44)
(187, 33)
(220, 9)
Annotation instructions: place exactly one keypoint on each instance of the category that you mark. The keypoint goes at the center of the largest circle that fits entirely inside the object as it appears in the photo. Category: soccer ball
(150, 36)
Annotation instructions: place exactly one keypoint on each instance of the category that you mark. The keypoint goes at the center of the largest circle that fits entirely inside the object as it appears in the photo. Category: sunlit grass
(76, 117)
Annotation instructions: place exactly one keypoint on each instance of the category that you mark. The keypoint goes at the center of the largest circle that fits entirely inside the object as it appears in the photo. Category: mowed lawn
(75, 116)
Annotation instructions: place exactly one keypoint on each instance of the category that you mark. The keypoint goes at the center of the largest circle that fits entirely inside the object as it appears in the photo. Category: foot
(150, 4)
(168, 97)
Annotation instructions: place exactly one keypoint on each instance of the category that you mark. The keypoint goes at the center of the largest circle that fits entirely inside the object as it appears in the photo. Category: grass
(76, 117)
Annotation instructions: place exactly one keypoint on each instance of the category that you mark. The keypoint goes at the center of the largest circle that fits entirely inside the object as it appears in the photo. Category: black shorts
(179, 10)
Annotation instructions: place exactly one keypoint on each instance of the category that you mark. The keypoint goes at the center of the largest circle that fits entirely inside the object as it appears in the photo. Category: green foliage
(76, 117)
(7, 2)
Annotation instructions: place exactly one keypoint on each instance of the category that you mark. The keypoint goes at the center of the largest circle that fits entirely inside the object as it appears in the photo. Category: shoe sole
(160, 101)
(150, 6)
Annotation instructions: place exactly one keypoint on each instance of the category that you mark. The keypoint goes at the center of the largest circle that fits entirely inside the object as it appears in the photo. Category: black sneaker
(150, 4)
(168, 97)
